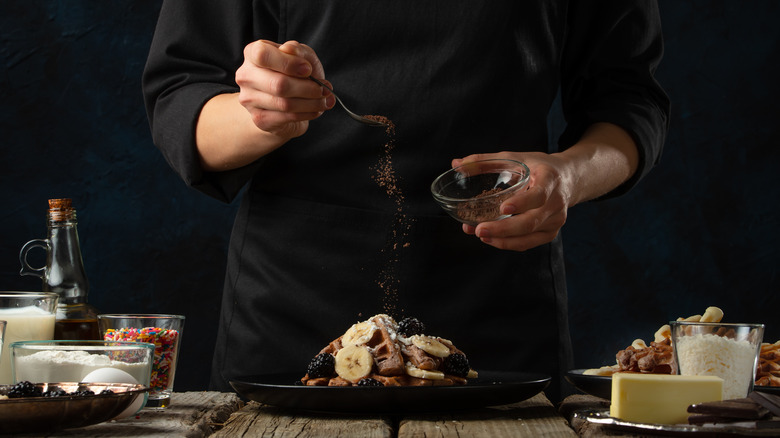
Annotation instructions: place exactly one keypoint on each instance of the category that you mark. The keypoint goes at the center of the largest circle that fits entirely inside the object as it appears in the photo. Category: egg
(113, 375)
(109, 375)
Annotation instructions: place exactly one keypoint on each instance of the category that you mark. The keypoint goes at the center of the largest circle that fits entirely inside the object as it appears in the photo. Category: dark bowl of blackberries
(48, 407)
(473, 192)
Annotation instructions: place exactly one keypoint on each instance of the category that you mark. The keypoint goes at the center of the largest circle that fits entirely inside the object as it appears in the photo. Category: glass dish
(473, 193)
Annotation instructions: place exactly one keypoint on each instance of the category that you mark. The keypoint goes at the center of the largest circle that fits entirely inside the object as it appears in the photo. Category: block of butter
(660, 398)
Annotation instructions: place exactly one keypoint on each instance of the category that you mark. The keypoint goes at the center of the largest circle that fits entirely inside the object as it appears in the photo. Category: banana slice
(712, 314)
(354, 362)
(692, 318)
(639, 344)
(430, 345)
(663, 333)
(424, 374)
(359, 333)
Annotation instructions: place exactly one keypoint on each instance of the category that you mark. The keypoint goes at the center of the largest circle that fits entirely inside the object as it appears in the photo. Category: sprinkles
(165, 342)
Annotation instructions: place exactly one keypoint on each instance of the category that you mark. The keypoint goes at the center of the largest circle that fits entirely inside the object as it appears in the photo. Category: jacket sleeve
(197, 48)
(612, 50)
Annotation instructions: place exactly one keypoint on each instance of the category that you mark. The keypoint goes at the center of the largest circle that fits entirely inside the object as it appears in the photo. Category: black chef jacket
(316, 239)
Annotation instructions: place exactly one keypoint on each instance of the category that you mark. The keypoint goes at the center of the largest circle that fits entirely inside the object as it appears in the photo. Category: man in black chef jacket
(230, 107)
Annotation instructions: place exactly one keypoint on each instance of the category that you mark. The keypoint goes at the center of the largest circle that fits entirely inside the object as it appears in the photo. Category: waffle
(380, 352)
(768, 372)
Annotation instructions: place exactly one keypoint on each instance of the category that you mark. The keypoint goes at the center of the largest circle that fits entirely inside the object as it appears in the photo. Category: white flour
(72, 366)
(712, 355)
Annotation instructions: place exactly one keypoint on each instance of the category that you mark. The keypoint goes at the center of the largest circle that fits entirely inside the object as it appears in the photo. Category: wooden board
(256, 419)
(192, 414)
(535, 417)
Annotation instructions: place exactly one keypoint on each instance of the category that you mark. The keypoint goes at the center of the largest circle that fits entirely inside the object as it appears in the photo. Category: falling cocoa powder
(385, 177)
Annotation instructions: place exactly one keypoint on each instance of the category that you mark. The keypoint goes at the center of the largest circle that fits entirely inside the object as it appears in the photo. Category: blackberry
(83, 393)
(106, 391)
(411, 326)
(24, 389)
(456, 364)
(59, 392)
(323, 365)
(368, 381)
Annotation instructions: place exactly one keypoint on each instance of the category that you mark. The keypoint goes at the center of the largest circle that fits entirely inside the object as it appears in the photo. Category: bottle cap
(61, 210)
(60, 204)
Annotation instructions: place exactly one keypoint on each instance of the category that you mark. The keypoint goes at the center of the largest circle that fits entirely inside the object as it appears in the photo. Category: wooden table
(192, 414)
(535, 417)
(583, 428)
(222, 415)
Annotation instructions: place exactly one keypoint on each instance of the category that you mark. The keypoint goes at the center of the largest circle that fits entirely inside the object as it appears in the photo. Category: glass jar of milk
(29, 316)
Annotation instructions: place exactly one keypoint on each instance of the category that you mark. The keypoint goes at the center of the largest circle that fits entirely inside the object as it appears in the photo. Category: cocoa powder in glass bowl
(473, 193)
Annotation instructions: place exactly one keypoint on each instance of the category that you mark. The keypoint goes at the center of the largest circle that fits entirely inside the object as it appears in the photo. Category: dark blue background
(700, 230)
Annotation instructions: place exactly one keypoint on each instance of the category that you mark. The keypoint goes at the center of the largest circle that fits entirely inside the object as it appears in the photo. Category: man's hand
(275, 88)
(605, 157)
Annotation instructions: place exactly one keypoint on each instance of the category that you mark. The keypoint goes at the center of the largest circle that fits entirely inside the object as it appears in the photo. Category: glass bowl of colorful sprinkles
(164, 332)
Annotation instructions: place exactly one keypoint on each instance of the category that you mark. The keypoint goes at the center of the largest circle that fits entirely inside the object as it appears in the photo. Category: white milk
(23, 324)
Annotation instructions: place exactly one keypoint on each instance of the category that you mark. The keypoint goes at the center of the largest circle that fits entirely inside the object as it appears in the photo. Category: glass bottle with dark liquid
(64, 274)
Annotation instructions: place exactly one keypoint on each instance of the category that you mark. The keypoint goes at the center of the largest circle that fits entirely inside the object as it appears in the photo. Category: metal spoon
(361, 119)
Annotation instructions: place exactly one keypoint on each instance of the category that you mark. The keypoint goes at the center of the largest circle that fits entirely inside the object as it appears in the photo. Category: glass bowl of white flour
(82, 361)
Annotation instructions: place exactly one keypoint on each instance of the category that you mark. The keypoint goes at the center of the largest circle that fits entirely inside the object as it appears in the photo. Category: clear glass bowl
(473, 193)
(164, 331)
(82, 361)
(728, 351)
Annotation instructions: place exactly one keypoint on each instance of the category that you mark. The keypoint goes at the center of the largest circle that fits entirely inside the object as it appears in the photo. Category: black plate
(49, 414)
(768, 389)
(492, 388)
(601, 386)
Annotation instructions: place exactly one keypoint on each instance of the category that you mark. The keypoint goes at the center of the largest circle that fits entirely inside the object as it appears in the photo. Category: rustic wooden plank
(536, 417)
(191, 415)
(257, 420)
